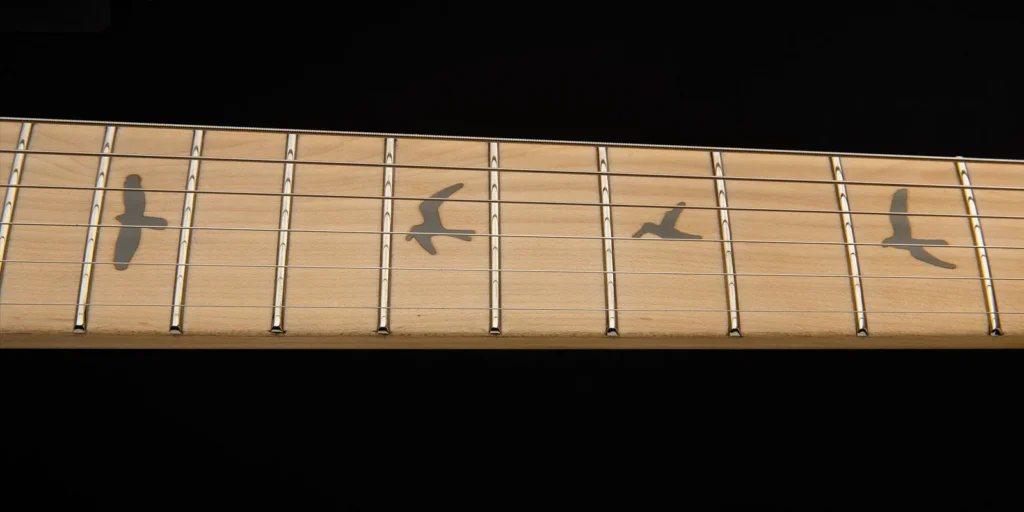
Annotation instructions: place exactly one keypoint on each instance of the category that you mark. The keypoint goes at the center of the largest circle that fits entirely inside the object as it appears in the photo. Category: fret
(762, 296)
(494, 208)
(386, 239)
(728, 253)
(343, 289)
(235, 286)
(185, 241)
(541, 291)
(853, 262)
(136, 249)
(15, 163)
(93, 233)
(988, 287)
(1005, 264)
(664, 240)
(277, 322)
(611, 320)
(930, 260)
(448, 288)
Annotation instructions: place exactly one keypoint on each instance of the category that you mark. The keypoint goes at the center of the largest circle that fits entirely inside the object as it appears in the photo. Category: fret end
(495, 331)
(277, 329)
(383, 331)
(862, 332)
(612, 332)
(995, 332)
(176, 330)
(79, 329)
(735, 332)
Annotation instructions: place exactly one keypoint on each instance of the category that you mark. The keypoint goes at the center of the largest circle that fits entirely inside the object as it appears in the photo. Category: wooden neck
(270, 235)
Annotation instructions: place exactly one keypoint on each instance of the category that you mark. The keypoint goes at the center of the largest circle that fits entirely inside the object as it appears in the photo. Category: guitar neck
(181, 235)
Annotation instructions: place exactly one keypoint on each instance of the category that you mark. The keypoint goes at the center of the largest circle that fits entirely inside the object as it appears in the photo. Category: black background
(819, 428)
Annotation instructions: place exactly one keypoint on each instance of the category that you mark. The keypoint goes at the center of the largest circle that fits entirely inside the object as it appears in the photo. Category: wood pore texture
(552, 284)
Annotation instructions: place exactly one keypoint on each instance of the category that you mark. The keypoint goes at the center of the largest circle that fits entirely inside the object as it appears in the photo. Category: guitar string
(510, 201)
(516, 235)
(398, 165)
(504, 308)
(512, 270)
(340, 133)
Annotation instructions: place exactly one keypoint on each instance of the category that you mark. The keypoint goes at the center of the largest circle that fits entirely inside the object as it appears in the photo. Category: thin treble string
(513, 235)
(512, 201)
(337, 163)
(280, 131)
(503, 308)
(508, 270)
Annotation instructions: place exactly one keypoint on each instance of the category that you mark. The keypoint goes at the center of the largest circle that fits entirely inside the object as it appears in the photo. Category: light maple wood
(236, 267)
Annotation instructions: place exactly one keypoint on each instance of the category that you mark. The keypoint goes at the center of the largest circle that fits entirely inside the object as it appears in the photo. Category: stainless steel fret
(277, 323)
(85, 282)
(852, 260)
(994, 326)
(610, 299)
(11, 198)
(495, 229)
(387, 221)
(727, 256)
(184, 241)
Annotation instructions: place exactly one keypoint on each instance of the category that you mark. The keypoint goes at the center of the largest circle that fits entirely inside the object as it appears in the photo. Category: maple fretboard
(170, 233)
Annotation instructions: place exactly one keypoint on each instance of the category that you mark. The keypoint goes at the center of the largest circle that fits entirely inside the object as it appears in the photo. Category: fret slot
(95, 214)
(1005, 265)
(494, 208)
(655, 240)
(548, 303)
(853, 262)
(351, 292)
(386, 239)
(461, 243)
(897, 306)
(136, 246)
(608, 249)
(37, 296)
(728, 254)
(16, 164)
(277, 322)
(773, 288)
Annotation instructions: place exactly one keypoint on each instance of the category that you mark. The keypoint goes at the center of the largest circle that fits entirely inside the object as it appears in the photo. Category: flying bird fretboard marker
(902, 237)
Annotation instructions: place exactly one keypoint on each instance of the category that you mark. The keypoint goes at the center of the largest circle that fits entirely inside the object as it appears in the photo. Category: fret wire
(344, 163)
(608, 249)
(552, 271)
(11, 197)
(184, 241)
(852, 259)
(494, 180)
(988, 288)
(511, 235)
(288, 182)
(482, 308)
(727, 250)
(257, 129)
(386, 239)
(95, 214)
(528, 202)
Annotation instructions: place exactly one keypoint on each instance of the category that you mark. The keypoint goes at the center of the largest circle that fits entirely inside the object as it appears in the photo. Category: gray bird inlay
(667, 227)
(133, 219)
(432, 221)
(901, 233)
